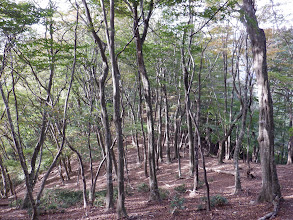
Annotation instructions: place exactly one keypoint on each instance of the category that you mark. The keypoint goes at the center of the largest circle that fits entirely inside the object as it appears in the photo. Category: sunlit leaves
(14, 18)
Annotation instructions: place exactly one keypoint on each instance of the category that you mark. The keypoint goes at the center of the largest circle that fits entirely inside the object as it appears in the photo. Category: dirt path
(138, 207)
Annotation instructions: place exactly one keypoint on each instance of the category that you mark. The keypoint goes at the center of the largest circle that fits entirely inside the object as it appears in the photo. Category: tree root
(273, 214)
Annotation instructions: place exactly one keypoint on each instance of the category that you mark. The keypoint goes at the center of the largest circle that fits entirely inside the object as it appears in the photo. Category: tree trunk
(188, 117)
(110, 34)
(290, 143)
(270, 182)
(208, 205)
(222, 141)
(225, 70)
(243, 97)
(290, 151)
(159, 140)
(221, 152)
(167, 127)
(176, 128)
(145, 157)
(16, 141)
(104, 113)
(4, 178)
(154, 191)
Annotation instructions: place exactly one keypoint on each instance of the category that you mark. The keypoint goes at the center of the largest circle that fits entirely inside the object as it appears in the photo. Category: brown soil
(240, 206)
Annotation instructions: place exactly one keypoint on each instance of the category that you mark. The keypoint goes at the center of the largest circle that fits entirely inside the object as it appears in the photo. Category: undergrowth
(164, 194)
(143, 187)
(54, 199)
(177, 204)
(180, 189)
(216, 200)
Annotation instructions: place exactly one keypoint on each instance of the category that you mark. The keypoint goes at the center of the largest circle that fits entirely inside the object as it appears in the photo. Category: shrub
(143, 187)
(181, 188)
(69, 198)
(58, 199)
(16, 203)
(129, 191)
(177, 204)
(200, 183)
(216, 200)
(100, 198)
(164, 194)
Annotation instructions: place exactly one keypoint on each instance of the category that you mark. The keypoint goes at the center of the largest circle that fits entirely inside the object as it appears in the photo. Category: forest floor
(137, 202)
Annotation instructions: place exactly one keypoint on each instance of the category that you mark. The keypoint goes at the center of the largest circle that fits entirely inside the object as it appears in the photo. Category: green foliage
(216, 200)
(129, 191)
(178, 202)
(60, 198)
(12, 163)
(200, 183)
(143, 187)
(100, 197)
(16, 203)
(180, 189)
(290, 131)
(15, 17)
(164, 194)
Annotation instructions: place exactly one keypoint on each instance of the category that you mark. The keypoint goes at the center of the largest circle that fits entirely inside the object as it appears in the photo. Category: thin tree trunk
(243, 97)
(63, 131)
(222, 141)
(225, 69)
(208, 205)
(154, 191)
(159, 140)
(167, 127)
(198, 104)
(110, 35)
(91, 196)
(187, 109)
(145, 157)
(15, 138)
(100, 141)
(134, 131)
(104, 113)
(290, 143)
(177, 128)
(290, 151)
(4, 178)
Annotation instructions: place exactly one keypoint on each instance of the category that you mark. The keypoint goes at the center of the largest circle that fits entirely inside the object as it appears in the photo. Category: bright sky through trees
(282, 8)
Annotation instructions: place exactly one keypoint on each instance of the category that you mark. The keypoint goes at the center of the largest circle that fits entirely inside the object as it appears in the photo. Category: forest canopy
(85, 82)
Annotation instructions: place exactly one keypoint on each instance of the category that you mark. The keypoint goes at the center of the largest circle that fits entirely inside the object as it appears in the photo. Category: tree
(110, 35)
(105, 117)
(270, 182)
(280, 56)
(16, 18)
(139, 40)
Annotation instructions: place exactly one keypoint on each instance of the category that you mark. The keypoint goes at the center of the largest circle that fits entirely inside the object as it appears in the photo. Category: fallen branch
(221, 171)
(273, 214)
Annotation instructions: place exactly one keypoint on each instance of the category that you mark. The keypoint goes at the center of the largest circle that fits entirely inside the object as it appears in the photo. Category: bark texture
(154, 191)
(270, 183)
(104, 113)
